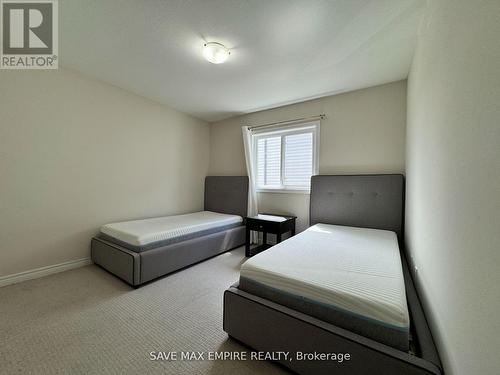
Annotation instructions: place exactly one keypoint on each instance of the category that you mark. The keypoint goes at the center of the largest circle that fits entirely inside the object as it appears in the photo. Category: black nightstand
(267, 223)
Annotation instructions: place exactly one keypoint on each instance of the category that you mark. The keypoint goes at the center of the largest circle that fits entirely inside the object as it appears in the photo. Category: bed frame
(371, 201)
(224, 194)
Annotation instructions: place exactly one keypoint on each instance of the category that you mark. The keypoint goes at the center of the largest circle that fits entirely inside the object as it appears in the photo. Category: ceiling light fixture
(215, 53)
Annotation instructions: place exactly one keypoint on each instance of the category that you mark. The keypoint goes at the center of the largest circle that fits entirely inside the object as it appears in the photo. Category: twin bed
(142, 250)
(342, 275)
(341, 286)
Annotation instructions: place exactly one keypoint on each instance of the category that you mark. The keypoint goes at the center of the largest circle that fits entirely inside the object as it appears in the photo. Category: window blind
(286, 159)
(269, 161)
(298, 160)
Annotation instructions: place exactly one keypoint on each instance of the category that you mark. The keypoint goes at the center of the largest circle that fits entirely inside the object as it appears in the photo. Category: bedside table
(267, 223)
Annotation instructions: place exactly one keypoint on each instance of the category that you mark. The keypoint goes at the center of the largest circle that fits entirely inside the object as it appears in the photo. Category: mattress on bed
(141, 235)
(347, 276)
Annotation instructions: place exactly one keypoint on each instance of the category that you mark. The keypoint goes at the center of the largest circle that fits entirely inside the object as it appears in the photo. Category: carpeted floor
(85, 321)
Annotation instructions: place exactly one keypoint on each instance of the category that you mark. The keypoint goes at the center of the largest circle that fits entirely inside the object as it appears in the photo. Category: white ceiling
(283, 51)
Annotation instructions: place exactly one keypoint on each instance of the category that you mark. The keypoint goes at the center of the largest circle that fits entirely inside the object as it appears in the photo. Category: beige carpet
(86, 321)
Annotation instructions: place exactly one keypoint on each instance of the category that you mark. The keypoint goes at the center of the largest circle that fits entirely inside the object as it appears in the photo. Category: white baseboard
(43, 271)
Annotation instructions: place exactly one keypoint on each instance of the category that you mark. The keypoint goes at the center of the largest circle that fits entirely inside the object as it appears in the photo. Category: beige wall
(363, 132)
(76, 153)
(453, 180)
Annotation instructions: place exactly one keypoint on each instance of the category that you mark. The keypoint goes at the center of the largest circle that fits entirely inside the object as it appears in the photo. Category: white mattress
(143, 232)
(354, 269)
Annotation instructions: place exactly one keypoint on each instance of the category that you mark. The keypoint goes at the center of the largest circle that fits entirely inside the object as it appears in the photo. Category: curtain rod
(320, 117)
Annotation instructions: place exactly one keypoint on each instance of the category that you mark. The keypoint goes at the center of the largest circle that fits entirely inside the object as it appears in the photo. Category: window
(285, 158)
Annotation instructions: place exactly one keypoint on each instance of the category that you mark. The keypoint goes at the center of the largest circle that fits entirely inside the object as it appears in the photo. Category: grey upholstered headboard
(227, 194)
(368, 201)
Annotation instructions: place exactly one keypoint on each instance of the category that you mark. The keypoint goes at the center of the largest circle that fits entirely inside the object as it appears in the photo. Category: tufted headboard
(227, 194)
(368, 201)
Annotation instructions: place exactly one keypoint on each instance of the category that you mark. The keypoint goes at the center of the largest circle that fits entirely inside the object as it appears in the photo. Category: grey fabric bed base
(265, 325)
(389, 335)
(139, 268)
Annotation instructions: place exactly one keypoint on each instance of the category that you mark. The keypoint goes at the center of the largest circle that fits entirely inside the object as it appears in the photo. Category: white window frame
(298, 128)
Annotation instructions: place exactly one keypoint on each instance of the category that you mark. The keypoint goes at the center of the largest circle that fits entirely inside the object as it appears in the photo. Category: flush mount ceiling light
(215, 53)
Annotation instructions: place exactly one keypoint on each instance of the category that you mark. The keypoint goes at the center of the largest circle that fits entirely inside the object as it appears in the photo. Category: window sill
(286, 191)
